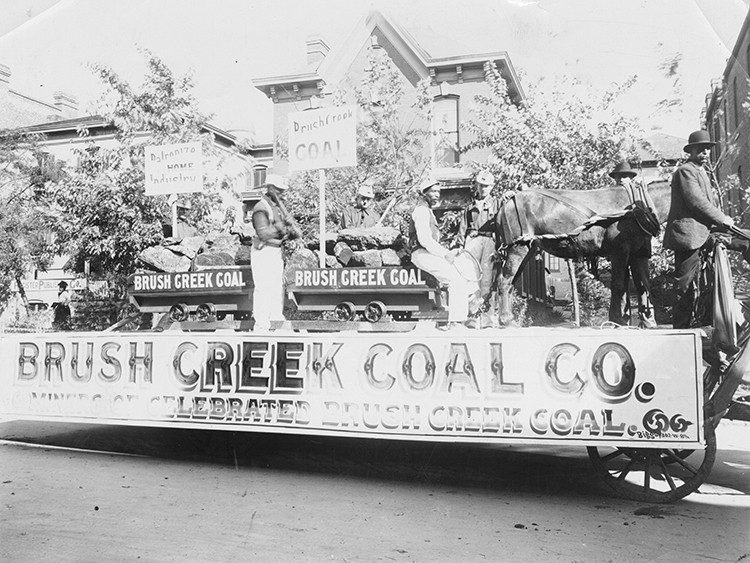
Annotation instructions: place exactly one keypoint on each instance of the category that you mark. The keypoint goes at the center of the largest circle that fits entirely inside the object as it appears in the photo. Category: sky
(49, 45)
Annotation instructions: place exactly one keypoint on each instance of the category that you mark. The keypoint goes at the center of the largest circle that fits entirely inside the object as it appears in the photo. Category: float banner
(516, 385)
(323, 138)
(172, 169)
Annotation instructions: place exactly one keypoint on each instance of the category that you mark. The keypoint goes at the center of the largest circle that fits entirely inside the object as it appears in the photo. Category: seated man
(429, 255)
(361, 215)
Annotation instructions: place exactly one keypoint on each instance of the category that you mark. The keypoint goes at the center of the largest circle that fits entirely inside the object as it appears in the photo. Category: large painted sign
(323, 138)
(525, 385)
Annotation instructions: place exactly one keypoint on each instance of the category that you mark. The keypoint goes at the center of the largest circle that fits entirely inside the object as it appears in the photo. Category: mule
(576, 224)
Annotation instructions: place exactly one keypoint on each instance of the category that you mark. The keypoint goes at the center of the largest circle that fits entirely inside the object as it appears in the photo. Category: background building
(726, 120)
(18, 109)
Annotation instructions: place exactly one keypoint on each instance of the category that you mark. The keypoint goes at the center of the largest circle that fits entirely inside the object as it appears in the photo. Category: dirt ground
(83, 493)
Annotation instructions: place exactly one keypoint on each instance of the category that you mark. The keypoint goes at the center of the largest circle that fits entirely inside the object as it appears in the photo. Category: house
(454, 78)
(726, 120)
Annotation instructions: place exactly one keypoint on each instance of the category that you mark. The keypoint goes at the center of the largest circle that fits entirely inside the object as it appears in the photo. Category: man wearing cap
(266, 259)
(429, 255)
(619, 306)
(361, 215)
(694, 209)
(476, 230)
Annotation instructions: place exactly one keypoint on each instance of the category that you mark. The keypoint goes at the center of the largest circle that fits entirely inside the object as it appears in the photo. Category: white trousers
(483, 249)
(267, 265)
(459, 289)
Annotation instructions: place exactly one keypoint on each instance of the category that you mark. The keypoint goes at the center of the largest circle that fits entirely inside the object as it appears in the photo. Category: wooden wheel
(655, 475)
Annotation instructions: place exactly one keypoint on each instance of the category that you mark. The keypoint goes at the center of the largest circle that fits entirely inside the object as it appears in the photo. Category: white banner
(323, 138)
(530, 385)
(172, 169)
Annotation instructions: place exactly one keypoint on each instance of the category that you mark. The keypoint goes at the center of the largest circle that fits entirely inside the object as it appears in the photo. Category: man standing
(361, 215)
(637, 266)
(693, 211)
(429, 255)
(266, 260)
(477, 231)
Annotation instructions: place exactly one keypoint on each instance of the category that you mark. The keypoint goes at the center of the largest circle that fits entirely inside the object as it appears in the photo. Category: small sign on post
(176, 168)
(320, 139)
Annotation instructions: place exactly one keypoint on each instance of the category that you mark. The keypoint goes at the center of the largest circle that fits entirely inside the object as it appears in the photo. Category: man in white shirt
(429, 255)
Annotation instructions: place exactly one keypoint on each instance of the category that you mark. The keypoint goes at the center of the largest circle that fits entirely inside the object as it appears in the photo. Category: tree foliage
(24, 244)
(106, 219)
(552, 140)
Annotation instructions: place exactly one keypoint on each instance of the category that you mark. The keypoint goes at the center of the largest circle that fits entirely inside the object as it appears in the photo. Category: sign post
(320, 139)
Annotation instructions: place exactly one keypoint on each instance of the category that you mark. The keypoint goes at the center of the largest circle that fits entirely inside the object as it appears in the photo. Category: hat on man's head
(428, 183)
(184, 204)
(63, 284)
(623, 170)
(277, 181)
(698, 139)
(365, 190)
(485, 178)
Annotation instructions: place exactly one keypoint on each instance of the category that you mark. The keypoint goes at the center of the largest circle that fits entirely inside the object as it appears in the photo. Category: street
(87, 493)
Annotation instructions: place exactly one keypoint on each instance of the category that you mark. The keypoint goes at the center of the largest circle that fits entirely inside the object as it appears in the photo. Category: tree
(552, 140)
(107, 219)
(24, 244)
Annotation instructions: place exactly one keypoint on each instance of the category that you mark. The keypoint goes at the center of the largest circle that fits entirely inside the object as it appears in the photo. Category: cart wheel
(375, 311)
(344, 311)
(655, 475)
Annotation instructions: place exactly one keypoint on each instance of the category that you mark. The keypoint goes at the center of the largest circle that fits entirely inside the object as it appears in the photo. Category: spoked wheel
(655, 475)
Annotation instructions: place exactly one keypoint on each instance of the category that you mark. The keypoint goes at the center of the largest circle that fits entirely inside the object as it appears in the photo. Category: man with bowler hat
(694, 210)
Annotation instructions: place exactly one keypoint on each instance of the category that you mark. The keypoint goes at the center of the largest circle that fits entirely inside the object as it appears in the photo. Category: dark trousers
(686, 270)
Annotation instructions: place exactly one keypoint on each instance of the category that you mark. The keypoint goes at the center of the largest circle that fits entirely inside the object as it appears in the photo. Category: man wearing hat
(477, 230)
(429, 255)
(183, 228)
(694, 209)
(637, 266)
(271, 226)
(361, 215)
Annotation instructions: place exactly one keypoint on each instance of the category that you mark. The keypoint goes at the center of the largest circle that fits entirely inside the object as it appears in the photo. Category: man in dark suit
(693, 212)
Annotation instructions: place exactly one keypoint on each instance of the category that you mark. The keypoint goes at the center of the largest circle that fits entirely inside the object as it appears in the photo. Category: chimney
(317, 49)
(66, 104)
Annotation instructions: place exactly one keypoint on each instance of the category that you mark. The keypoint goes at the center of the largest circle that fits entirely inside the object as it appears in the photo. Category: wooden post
(322, 218)
(574, 289)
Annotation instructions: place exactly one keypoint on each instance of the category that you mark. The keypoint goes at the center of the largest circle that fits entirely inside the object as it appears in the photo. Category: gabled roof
(413, 61)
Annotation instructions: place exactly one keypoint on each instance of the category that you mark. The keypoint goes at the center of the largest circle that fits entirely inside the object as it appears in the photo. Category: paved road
(109, 494)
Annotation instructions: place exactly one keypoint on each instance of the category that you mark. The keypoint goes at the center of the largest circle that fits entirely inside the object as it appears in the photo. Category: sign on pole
(172, 169)
(320, 139)
(323, 138)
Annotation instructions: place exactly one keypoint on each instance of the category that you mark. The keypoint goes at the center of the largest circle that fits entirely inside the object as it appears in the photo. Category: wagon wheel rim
(655, 475)
(375, 311)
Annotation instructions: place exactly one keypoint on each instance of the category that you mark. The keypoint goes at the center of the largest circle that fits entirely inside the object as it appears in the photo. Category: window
(553, 263)
(445, 131)
(259, 176)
